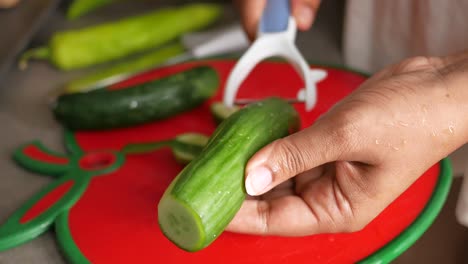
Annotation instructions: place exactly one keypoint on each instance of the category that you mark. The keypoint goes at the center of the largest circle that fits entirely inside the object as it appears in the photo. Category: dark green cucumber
(202, 200)
(159, 99)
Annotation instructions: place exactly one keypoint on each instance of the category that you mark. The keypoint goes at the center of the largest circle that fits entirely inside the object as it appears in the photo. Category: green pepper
(141, 63)
(101, 43)
(80, 8)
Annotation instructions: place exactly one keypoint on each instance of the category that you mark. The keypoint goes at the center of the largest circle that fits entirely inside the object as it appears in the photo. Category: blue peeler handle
(275, 16)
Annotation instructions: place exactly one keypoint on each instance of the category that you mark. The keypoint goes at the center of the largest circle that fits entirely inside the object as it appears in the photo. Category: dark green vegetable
(143, 62)
(80, 8)
(185, 147)
(97, 44)
(202, 200)
(159, 99)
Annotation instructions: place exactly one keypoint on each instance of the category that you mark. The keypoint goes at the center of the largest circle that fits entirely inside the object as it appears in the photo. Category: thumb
(304, 11)
(292, 155)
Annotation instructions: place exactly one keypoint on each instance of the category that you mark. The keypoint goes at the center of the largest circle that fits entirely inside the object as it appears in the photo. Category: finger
(286, 216)
(349, 196)
(250, 12)
(284, 189)
(304, 178)
(321, 207)
(345, 199)
(304, 12)
(299, 152)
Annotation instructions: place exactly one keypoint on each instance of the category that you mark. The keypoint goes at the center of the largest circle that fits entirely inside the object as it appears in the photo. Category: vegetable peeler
(275, 37)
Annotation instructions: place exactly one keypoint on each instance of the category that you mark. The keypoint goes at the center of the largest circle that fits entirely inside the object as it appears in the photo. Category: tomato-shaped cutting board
(103, 204)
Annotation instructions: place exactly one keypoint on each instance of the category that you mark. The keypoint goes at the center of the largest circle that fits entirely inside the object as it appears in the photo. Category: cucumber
(155, 100)
(185, 147)
(202, 200)
(220, 112)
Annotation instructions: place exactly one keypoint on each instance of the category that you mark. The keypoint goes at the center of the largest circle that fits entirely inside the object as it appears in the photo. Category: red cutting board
(115, 218)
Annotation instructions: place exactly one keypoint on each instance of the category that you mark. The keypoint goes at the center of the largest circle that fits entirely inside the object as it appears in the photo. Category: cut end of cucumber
(220, 111)
(180, 224)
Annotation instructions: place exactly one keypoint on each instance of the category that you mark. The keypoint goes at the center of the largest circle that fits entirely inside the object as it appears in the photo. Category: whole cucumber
(159, 99)
(202, 200)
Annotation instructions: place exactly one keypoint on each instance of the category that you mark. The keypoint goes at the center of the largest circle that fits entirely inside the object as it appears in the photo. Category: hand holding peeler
(276, 34)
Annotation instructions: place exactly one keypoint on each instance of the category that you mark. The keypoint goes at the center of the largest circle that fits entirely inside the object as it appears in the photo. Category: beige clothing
(382, 32)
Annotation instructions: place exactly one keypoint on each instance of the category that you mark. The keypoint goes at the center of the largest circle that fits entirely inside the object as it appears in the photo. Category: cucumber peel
(220, 111)
(185, 147)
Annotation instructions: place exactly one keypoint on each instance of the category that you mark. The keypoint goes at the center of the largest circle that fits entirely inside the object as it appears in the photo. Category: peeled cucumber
(202, 200)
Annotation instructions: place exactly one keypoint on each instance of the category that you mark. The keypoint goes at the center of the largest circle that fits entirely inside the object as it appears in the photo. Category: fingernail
(305, 16)
(258, 180)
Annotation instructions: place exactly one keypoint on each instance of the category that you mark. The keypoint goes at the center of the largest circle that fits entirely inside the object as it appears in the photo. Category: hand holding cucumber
(341, 172)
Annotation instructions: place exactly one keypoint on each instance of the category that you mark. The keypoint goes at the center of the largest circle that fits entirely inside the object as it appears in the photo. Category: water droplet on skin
(396, 148)
(390, 124)
(424, 121)
(377, 142)
(424, 108)
(451, 129)
(405, 141)
(401, 123)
